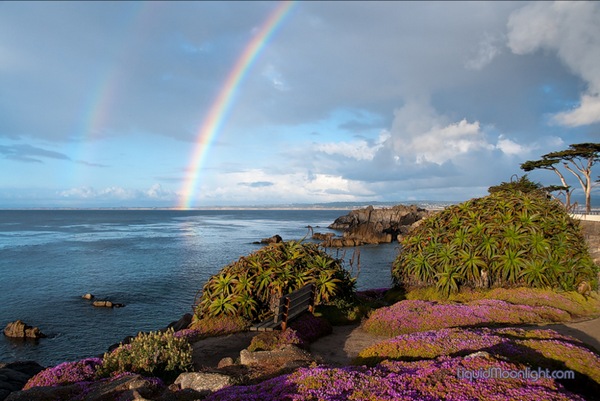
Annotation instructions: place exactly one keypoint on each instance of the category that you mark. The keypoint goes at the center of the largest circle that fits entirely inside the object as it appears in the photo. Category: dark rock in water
(182, 323)
(126, 340)
(19, 329)
(271, 240)
(107, 304)
(375, 226)
(13, 376)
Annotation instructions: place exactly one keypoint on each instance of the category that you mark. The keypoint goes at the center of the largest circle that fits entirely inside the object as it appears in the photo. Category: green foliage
(246, 287)
(523, 184)
(154, 354)
(213, 326)
(507, 239)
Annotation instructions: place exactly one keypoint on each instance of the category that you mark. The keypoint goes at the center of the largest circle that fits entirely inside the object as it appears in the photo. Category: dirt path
(340, 347)
(209, 351)
(587, 331)
(343, 345)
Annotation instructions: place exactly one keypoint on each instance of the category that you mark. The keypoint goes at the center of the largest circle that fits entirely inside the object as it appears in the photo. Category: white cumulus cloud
(572, 30)
(358, 150)
(420, 135)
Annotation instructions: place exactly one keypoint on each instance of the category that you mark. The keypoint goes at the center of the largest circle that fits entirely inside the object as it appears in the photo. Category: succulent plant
(506, 239)
(247, 286)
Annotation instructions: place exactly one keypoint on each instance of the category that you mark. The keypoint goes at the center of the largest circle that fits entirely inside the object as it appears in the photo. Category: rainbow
(224, 100)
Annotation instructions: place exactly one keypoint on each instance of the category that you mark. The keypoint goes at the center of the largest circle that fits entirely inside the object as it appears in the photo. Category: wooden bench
(288, 307)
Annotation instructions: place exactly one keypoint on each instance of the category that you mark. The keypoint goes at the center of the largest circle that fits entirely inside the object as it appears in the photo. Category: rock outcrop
(271, 240)
(130, 387)
(19, 329)
(13, 376)
(204, 383)
(285, 357)
(375, 226)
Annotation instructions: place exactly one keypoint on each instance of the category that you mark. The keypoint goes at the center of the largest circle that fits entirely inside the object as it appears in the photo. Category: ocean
(153, 261)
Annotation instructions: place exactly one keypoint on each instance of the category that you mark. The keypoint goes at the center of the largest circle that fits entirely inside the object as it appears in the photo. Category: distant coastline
(429, 205)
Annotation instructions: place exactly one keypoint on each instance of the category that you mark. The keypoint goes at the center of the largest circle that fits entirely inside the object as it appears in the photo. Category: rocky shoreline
(373, 226)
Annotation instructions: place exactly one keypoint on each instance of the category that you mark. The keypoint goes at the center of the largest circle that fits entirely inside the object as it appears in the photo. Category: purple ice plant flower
(65, 373)
(400, 381)
(411, 316)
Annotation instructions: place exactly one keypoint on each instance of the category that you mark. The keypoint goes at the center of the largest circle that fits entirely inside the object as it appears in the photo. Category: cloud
(487, 50)
(155, 192)
(587, 112)
(570, 29)
(30, 154)
(510, 147)
(33, 154)
(357, 150)
(257, 184)
(420, 135)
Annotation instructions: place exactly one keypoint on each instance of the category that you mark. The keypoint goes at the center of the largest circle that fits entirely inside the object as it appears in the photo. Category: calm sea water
(152, 261)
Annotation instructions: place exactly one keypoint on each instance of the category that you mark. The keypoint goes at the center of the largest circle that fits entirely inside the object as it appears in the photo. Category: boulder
(182, 323)
(13, 376)
(204, 383)
(225, 362)
(87, 296)
(107, 304)
(19, 329)
(287, 356)
(271, 240)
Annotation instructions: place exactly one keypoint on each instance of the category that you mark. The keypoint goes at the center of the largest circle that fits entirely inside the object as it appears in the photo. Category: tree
(578, 159)
(549, 164)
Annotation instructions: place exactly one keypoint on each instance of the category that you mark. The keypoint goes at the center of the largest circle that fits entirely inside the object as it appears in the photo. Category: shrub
(246, 287)
(66, 373)
(213, 326)
(272, 340)
(506, 239)
(155, 354)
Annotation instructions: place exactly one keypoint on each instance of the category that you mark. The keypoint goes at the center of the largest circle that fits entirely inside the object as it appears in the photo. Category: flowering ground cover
(411, 316)
(537, 349)
(401, 381)
(65, 373)
(572, 302)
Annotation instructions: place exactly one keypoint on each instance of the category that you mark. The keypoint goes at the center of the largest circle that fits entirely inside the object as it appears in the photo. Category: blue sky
(101, 103)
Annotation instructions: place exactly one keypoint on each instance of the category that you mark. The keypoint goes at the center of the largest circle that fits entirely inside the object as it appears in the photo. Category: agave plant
(246, 287)
(506, 239)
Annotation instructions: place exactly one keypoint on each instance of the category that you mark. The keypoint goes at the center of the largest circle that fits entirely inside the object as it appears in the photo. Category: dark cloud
(30, 154)
(257, 184)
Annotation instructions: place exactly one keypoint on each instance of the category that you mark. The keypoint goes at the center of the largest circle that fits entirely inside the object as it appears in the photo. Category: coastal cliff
(375, 226)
